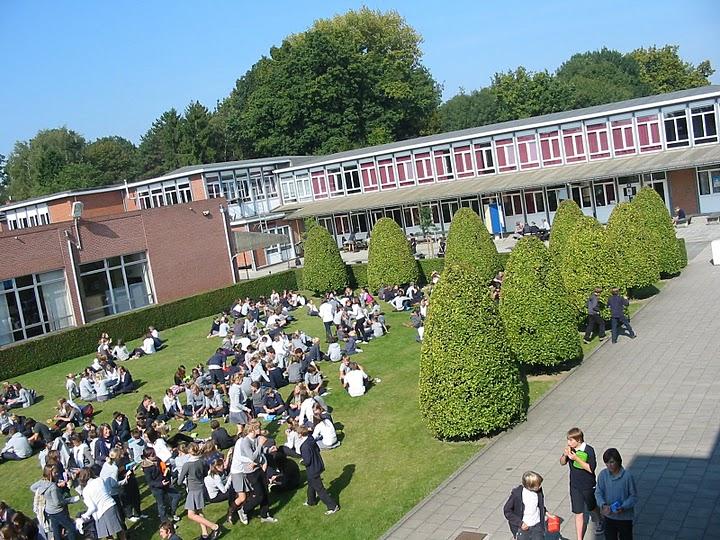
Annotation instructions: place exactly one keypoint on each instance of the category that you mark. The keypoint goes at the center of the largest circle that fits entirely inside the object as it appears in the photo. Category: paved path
(657, 399)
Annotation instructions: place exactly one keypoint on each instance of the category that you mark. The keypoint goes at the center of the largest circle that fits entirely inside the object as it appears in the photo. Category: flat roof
(489, 184)
(618, 107)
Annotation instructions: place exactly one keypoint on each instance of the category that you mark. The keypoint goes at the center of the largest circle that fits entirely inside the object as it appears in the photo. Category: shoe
(633, 336)
(602, 338)
(600, 527)
(242, 516)
(134, 519)
(215, 534)
(336, 509)
(268, 519)
(144, 516)
(586, 342)
(176, 518)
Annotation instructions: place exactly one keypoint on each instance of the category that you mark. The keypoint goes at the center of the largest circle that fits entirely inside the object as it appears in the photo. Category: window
(303, 185)
(709, 182)
(387, 173)
(484, 157)
(471, 202)
(622, 137)
(242, 181)
(351, 177)
(657, 181)
(582, 196)
(342, 224)
(554, 197)
(463, 162)
(269, 184)
(703, 124)
(598, 145)
(28, 216)
(528, 151)
(605, 193)
(115, 285)
(228, 185)
(319, 186)
(505, 150)
(279, 252)
(448, 209)
(443, 165)
(412, 216)
(512, 204)
(534, 202)
(257, 193)
(550, 148)
(170, 192)
(360, 222)
(648, 128)
(395, 214)
(573, 144)
(369, 176)
(334, 179)
(423, 167)
(676, 129)
(287, 188)
(33, 305)
(406, 174)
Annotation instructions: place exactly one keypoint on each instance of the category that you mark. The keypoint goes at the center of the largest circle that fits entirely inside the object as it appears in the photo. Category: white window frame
(646, 121)
(675, 117)
(701, 111)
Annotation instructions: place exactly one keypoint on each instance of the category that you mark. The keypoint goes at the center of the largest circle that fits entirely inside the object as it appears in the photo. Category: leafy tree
(390, 260)
(566, 220)
(76, 176)
(629, 243)
(662, 70)
(656, 219)
(34, 165)
(470, 383)
(160, 147)
(4, 178)
(349, 81)
(427, 226)
(587, 264)
(539, 322)
(477, 108)
(470, 242)
(324, 268)
(113, 158)
(197, 136)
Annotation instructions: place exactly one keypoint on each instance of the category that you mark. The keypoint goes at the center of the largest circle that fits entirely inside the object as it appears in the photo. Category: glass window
(709, 181)
(703, 123)
(676, 129)
(582, 196)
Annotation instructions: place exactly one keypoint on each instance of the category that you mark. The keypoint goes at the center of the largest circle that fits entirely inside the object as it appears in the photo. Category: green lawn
(387, 463)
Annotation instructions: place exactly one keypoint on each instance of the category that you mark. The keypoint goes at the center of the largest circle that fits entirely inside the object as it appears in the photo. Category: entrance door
(492, 215)
(629, 187)
(658, 181)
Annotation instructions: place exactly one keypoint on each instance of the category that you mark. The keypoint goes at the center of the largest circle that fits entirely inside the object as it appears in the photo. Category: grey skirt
(109, 523)
(195, 500)
(240, 483)
(238, 418)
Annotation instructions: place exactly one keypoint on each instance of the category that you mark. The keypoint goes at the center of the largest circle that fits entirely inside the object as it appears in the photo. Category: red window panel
(505, 155)
(550, 148)
(443, 165)
(387, 173)
(334, 183)
(463, 162)
(405, 171)
(622, 137)
(528, 152)
(369, 176)
(319, 186)
(423, 168)
(649, 133)
(484, 158)
(574, 145)
(598, 143)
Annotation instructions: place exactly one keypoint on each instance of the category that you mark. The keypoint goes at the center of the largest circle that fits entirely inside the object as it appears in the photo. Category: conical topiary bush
(390, 259)
(470, 242)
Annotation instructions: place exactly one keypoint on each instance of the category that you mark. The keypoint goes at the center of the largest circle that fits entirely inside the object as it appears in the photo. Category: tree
(390, 260)
(114, 158)
(160, 147)
(587, 264)
(629, 243)
(662, 70)
(324, 269)
(566, 219)
(197, 136)
(539, 321)
(477, 108)
(349, 81)
(427, 226)
(656, 220)
(4, 179)
(76, 176)
(470, 384)
(470, 242)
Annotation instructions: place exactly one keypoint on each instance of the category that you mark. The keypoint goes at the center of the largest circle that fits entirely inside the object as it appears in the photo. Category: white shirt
(334, 352)
(215, 485)
(531, 513)
(397, 302)
(121, 353)
(97, 498)
(161, 450)
(355, 380)
(224, 329)
(306, 411)
(326, 312)
(19, 445)
(325, 431)
(148, 345)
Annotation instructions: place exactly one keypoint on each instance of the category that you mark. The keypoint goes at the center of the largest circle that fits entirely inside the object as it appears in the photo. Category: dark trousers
(593, 321)
(536, 532)
(328, 328)
(616, 323)
(315, 490)
(618, 529)
(165, 498)
(61, 521)
(259, 496)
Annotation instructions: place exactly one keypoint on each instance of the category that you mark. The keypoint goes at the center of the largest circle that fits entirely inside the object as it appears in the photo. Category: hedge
(682, 252)
(470, 242)
(38, 353)
(630, 244)
(539, 321)
(470, 383)
(657, 220)
(324, 269)
(566, 219)
(390, 259)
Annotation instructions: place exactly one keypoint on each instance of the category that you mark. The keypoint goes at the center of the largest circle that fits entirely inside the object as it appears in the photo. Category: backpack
(87, 411)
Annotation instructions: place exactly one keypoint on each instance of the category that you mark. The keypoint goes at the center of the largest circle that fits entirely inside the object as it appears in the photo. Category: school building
(133, 244)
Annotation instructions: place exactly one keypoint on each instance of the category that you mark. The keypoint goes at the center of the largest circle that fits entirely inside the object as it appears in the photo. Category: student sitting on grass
(220, 436)
(356, 380)
(334, 351)
(17, 446)
(313, 378)
(324, 430)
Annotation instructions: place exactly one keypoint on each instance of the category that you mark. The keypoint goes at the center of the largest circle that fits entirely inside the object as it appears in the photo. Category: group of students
(610, 497)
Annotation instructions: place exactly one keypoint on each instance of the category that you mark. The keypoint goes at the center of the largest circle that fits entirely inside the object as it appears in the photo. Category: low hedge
(38, 353)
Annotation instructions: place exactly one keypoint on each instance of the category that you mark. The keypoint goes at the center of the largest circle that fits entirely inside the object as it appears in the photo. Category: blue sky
(110, 68)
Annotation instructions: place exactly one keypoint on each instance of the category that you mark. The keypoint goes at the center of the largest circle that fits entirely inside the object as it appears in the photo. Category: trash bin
(715, 244)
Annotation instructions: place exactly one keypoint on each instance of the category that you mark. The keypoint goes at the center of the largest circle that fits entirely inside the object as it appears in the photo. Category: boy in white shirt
(355, 380)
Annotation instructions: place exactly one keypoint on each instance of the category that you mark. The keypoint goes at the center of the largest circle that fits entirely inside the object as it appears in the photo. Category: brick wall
(683, 190)
(95, 205)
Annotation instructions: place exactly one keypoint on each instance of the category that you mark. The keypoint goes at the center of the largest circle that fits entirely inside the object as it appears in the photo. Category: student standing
(311, 458)
(616, 495)
(525, 508)
(581, 461)
(617, 305)
(194, 470)
(594, 317)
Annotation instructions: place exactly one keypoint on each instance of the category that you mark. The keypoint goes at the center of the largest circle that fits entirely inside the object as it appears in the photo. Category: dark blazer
(121, 430)
(310, 454)
(514, 509)
(126, 384)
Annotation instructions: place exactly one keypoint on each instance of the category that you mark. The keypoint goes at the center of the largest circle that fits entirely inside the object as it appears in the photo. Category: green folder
(582, 456)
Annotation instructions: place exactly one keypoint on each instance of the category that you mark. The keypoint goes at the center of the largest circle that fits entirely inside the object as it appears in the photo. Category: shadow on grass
(338, 484)
(641, 293)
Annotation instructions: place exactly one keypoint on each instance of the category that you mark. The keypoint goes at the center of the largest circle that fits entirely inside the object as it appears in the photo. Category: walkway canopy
(249, 241)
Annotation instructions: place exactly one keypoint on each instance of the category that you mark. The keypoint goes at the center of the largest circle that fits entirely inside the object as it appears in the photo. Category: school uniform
(194, 470)
(525, 506)
(314, 465)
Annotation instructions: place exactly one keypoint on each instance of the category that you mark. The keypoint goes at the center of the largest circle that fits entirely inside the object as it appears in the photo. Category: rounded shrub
(470, 242)
(470, 383)
(539, 321)
(324, 269)
(628, 241)
(586, 264)
(566, 219)
(656, 219)
(390, 259)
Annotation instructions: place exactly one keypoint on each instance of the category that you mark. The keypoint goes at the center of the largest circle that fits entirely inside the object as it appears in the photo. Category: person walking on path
(617, 305)
(581, 461)
(616, 495)
(594, 317)
(525, 508)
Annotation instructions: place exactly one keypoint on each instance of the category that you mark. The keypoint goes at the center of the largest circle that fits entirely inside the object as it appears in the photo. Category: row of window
(28, 216)
(242, 185)
(595, 139)
(165, 193)
(709, 181)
